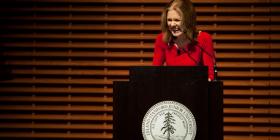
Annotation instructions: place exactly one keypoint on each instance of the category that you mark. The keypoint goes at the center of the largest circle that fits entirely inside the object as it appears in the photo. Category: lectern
(167, 103)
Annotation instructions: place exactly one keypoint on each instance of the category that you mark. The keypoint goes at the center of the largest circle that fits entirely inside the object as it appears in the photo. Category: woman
(180, 44)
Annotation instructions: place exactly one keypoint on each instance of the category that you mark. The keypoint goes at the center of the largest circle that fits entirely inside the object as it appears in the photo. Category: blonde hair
(187, 12)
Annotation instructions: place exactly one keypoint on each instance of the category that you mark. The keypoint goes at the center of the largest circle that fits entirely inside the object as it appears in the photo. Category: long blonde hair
(188, 14)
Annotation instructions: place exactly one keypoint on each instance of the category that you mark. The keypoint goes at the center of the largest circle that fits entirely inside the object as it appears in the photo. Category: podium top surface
(192, 72)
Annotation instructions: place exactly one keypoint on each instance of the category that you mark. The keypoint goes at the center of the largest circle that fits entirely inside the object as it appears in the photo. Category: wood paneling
(60, 57)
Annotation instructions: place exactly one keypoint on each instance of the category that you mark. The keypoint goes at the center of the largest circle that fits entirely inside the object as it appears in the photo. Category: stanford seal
(169, 120)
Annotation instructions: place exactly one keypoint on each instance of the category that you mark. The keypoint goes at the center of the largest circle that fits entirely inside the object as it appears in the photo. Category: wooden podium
(148, 86)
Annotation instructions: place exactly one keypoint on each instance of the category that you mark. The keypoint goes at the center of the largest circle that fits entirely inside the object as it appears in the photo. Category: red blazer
(189, 56)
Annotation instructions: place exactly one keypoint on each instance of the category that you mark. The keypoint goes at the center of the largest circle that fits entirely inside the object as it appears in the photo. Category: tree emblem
(168, 127)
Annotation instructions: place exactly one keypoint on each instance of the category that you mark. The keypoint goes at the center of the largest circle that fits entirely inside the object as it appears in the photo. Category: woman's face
(174, 22)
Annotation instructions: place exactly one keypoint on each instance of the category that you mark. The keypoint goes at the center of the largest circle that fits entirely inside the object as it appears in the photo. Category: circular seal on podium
(169, 120)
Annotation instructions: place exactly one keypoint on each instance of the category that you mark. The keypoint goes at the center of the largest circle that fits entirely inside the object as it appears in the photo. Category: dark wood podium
(149, 85)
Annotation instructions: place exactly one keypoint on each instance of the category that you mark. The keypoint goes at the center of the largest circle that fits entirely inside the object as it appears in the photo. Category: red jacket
(190, 56)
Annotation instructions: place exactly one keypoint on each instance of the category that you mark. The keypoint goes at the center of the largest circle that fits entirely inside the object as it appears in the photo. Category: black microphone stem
(215, 71)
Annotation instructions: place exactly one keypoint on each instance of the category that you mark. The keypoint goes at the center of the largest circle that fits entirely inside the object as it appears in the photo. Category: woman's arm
(159, 55)
(208, 54)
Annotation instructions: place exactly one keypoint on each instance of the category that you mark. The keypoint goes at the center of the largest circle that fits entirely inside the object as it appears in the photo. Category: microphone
(213, 59)
(172, 42)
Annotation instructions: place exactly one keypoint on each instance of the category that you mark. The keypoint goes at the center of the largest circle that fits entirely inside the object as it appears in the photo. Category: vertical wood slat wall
(59, 59)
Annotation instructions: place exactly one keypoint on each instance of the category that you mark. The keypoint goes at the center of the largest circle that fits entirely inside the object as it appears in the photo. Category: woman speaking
(179, 43)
